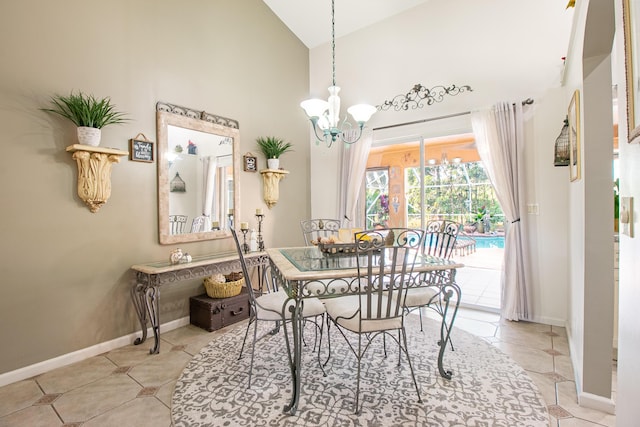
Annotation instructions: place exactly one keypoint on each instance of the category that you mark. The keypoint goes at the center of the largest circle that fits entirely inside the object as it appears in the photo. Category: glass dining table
(305, 272)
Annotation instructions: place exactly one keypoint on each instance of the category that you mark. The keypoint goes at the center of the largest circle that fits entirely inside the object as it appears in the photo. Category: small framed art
(250, 163)
(140, 151)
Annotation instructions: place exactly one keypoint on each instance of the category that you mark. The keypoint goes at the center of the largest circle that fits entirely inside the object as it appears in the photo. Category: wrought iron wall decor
(419, 95)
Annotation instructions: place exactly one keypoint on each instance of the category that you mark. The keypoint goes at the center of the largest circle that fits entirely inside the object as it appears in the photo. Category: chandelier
(325, 115)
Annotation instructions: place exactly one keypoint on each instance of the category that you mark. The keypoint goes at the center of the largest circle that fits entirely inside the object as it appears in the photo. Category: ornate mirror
(198, 169)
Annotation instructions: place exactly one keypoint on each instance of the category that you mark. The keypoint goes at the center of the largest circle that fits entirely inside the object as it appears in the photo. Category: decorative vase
(89, 136)
(176, 256)
(273, 164)
(480, 227)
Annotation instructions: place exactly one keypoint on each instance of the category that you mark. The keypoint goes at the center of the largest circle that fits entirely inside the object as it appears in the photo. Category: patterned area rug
(487, 389)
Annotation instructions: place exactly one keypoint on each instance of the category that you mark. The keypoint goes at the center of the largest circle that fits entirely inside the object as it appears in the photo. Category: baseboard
(550, 321)
(85, 353)
(587, 400)
(599, 403)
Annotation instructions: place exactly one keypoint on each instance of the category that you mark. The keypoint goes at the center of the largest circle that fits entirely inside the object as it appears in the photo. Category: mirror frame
(169, 114)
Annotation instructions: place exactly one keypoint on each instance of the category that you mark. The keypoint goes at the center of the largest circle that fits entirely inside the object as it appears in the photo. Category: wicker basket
(223, 289)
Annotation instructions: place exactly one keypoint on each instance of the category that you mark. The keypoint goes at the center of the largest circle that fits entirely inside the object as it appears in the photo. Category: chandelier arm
(314, 125)
(343, 135)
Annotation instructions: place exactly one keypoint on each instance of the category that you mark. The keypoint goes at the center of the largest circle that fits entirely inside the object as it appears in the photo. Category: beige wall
(65, 271)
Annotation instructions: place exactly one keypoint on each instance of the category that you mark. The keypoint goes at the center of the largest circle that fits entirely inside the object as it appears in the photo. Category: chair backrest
(440, 238)
(245, 271)
(269, 281)
(197, 225)
(315, 229)
(177, 223)
(385, 260)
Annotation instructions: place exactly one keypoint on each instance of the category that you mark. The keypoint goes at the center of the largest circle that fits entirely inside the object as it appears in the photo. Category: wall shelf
(270, 185)
(94, 173)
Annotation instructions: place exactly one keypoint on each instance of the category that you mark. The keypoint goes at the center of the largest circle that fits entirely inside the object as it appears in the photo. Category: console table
(150, 277)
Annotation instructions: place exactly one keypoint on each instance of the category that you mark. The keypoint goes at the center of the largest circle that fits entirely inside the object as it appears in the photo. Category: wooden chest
(215, 313)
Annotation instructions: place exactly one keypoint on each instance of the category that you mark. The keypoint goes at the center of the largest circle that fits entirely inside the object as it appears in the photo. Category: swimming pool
(484, 242)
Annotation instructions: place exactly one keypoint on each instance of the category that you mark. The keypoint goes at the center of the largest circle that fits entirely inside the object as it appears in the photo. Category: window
(377, 197)
(455, 191)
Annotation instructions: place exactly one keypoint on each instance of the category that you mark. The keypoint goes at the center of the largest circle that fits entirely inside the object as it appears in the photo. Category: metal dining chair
(198, 224)
(385, 261)
(439, 241)
(272, 305)
(177, 224)
(315, 229)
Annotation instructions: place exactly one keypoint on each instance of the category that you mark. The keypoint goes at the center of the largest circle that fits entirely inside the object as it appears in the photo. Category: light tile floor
(480, 278)
(129, 387)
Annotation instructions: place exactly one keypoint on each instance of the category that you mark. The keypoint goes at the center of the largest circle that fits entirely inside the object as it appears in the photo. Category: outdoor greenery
(458, 191)
(273, 147)
(461, 192)
(86, 110)
(616, 198)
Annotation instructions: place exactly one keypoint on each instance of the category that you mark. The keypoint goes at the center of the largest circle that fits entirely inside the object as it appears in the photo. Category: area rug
(487, 388)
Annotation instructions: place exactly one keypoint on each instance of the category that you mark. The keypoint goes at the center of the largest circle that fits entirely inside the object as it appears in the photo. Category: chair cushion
(345, 312)
(269, 306)
(417, 297)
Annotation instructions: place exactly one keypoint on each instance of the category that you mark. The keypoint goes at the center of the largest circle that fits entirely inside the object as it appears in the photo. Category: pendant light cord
(333, 41)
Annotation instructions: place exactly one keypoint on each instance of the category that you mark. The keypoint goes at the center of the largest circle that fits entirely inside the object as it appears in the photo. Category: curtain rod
(527, 101)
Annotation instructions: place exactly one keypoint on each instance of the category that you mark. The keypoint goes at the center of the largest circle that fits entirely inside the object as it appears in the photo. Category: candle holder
(260, 240)
(245, 245)
(230, 216)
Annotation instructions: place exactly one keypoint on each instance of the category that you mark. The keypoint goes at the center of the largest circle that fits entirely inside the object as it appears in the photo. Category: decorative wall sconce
(270, 181)
(94, 173)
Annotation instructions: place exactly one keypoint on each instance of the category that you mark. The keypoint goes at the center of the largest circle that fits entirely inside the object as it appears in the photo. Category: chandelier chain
(325, 115)
(333, 41)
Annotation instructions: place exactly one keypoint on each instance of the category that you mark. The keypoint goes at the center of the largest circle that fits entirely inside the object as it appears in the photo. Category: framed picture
(573, 116)
(140, 151)
(250, 162)
(631, 17)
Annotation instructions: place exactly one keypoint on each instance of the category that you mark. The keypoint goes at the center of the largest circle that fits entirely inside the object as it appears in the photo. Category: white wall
(443, 47)
(628, 390)
(590, 322)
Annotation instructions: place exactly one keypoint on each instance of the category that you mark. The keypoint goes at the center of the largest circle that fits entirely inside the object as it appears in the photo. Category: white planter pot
(89, 136)
(273, 164)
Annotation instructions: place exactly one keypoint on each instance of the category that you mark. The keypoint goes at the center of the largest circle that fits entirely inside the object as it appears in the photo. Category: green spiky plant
(86, 110)
(273, 147)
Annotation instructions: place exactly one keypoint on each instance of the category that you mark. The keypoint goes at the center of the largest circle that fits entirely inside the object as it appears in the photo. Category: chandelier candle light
(325, 115)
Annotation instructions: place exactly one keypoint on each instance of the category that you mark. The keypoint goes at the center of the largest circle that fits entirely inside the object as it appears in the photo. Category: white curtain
(500, 140)
(353, 166)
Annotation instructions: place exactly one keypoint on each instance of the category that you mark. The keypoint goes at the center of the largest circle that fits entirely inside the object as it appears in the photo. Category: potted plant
(273, 148)
(481, 218)
(88, 113)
